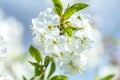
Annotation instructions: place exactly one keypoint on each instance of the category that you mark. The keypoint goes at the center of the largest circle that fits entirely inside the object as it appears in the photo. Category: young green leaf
(36, 78)
(24, 78)
(34, 64)
(35, 53)
(58, 7)
(75, 28)
(37, 71)
(68, 31)
(57, 11)
(32, 78)
(59, 77)
(109, 77)
(73, 9)
(52, 69)
(47, 60)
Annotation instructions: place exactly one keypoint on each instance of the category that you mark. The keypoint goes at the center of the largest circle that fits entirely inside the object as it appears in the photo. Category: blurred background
(104, 58)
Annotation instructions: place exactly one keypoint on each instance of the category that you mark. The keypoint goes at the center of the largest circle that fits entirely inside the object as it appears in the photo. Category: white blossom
(8, 77)
(44, 29)
(73, 63)
(46, 35)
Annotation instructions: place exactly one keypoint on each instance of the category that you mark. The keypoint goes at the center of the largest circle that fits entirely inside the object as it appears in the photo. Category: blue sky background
(24, 10)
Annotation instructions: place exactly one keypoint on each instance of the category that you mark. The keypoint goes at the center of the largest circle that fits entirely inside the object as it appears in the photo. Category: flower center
(62, 54)
(84, 41)
(71, 64)
(70, 40)
(54, 55)
(54, 42)
(42, 39)
(79, 17)
(50, 27)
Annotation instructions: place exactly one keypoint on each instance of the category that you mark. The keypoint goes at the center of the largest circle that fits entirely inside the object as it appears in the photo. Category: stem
(42, 76)
(62, 22)
(62, 26)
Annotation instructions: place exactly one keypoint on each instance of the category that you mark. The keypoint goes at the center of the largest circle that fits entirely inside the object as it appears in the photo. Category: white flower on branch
(73, 63)
(46, 35)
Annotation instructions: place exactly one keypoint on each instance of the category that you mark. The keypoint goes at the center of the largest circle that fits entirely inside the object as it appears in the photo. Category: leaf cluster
(65, 15)
(43, 66)
(109, 77)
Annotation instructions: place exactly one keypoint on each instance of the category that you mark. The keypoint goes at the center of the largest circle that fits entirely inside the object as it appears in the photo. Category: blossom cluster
(67, 51)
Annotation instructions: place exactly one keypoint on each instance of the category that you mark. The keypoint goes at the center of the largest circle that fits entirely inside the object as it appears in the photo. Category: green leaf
(68, 31)
(38, 68)
(37, 71)
(35, 53)
(75, 28)
(24, 78)
(36, 78)
(52, 69)
(34, 64)
(58, 7)
(73, 9)
(69, 25)
(59, 77)
(57, 11)
(109, 77)
(47, 60)
(32, 78)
